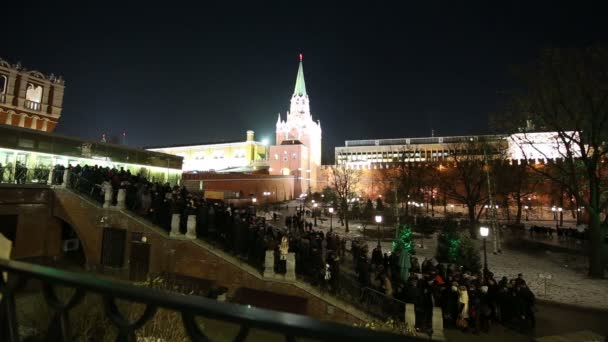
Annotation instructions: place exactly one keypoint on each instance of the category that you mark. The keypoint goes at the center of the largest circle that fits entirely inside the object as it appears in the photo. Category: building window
(276, 156)
(3, 84)
(294, 156)
(33, 93)
(33, 96)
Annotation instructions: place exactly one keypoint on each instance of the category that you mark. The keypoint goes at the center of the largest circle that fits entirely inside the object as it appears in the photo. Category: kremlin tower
(298, 140)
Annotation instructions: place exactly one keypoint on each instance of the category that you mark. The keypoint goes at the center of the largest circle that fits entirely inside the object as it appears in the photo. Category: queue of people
(468, 301)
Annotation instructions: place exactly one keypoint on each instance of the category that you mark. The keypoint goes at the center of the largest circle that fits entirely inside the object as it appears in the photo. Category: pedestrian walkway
(557, 277)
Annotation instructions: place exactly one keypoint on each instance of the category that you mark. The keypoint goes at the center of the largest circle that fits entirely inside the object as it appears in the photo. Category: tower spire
(300, 88)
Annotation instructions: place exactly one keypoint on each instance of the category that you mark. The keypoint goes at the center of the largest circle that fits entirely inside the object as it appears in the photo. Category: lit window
(276, 156)
(33, 93)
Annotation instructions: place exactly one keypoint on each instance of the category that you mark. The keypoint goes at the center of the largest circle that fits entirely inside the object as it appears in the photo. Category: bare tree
(343, 181)
(567, 92)
(514, 183)
(465, 180)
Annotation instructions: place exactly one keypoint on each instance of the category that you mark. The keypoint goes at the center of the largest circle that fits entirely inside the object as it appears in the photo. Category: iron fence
(188, 307)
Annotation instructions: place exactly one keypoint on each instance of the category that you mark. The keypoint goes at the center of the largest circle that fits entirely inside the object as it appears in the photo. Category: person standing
(463, 308)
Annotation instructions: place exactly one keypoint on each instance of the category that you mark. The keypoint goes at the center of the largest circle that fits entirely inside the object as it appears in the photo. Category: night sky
(206, 73)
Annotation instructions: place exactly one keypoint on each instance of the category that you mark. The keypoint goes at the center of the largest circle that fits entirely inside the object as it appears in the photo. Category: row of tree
(564, 92)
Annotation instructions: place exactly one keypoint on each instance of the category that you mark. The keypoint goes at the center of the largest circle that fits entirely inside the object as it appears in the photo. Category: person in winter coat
(463, 305)
(485, 309)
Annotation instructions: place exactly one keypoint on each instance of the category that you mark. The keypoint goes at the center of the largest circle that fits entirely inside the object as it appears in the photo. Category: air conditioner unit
(71, 245)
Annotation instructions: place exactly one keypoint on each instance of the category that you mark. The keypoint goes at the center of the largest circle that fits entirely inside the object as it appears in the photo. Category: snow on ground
(568, 284)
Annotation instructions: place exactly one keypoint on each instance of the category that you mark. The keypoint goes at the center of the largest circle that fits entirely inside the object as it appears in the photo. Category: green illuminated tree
(448, 244)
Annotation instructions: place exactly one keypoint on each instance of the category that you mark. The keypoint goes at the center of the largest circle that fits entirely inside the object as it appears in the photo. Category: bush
(468, 255)
(448, 243)
(457, 249)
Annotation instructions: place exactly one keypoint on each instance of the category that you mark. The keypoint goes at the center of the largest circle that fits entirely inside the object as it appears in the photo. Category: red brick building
(29, 98)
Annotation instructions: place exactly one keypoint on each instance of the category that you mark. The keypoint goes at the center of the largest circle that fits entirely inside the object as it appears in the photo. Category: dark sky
(185, 73)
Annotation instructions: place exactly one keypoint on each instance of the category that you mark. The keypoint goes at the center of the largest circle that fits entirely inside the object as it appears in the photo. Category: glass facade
(36, 153)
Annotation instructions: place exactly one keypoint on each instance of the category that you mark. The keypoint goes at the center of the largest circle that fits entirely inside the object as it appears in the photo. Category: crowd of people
(21, 174)
(468, 301)
(577, 233)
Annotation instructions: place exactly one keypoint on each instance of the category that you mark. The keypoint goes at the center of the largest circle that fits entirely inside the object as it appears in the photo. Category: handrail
(290, 325)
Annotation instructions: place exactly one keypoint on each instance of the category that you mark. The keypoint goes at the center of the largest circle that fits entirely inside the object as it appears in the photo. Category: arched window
(3, 84)
(33, 93)
(33, 96)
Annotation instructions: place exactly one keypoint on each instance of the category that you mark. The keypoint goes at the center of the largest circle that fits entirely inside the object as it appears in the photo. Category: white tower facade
(298, 129)
(299, 124)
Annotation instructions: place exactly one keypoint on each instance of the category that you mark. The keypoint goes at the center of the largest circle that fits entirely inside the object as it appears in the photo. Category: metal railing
(188, 307)
(32, 105)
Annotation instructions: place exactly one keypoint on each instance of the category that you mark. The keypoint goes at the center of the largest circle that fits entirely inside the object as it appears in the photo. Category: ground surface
(569, 301)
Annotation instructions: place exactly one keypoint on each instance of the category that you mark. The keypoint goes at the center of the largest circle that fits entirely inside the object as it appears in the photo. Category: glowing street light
(378, 219)
(484, 232)
(331, 226)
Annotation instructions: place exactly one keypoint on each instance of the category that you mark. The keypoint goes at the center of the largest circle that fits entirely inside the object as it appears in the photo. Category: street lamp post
(561, 216)
(314, 212)
(554, 210)
(378, 221)
(331, 223)
(527, 208)
(254, 201)
(484, 231)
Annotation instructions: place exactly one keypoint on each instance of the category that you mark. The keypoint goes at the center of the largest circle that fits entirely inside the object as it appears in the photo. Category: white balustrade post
(269, 265)
(191, 225)
(66, 178)
(290, 274)
(437, 324)
(108, 192)
(121, 199)
(175, 226)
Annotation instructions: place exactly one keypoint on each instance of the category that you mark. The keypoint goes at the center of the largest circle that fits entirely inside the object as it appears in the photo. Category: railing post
(175, 218)
(121, 199)
(290, 273)
(410, 316)
(191, 225)
(66, 178)
(437, 324)
(269, 264)
(108, 193)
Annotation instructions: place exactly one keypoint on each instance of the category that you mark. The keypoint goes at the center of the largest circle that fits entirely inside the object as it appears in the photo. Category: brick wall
(280, 187)
(38, 233)
(190, 258)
